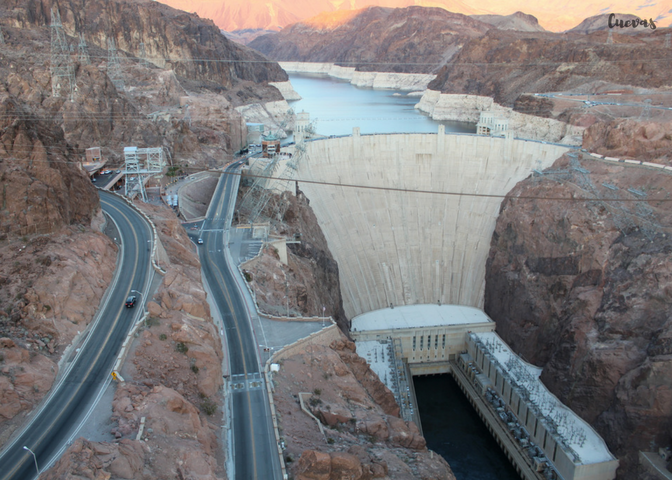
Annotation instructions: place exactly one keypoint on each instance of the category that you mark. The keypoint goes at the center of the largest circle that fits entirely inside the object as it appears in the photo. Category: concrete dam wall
(395, 247)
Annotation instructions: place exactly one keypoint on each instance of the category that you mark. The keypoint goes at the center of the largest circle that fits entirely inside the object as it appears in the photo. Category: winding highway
(70, 399)
(254, 449)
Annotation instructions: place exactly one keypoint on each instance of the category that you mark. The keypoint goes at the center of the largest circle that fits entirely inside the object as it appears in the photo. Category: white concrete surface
(467, 108)
(418, 316)
(397, 81)
(404, 248)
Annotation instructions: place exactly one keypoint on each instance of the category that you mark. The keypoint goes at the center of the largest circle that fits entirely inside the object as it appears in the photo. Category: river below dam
(336, 106)
(451, 427)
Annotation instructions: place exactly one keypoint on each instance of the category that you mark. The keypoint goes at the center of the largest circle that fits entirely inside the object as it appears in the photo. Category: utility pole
(62, 72)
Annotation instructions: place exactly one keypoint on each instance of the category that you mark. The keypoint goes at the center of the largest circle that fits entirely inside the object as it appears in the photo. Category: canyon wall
(583, 288)
(397, 81)
(400, 247)
(173, 39)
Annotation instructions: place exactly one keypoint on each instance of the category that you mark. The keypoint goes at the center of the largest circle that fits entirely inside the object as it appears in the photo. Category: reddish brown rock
(314, 465)
(641, 140)
(360, 440)
(584, 290)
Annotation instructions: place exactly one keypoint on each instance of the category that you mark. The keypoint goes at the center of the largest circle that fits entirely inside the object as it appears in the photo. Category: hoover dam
(409, 218)
(420, 232)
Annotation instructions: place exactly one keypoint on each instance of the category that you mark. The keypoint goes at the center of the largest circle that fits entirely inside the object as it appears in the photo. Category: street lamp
(34, 458)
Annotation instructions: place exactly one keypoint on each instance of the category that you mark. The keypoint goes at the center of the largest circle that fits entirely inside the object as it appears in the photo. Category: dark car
(130, 301)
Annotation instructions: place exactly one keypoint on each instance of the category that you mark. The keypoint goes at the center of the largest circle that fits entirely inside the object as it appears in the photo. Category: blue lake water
(338, 106)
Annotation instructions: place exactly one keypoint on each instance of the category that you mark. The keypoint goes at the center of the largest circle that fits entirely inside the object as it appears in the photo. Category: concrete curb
(126, 346)
(631, 162)
(129, 338)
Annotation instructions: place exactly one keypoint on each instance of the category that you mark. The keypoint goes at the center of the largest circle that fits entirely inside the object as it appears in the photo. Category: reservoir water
(338, 106)
(451, 426)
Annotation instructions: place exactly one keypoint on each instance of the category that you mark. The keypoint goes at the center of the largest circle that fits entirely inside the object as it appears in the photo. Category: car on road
(106, 172)
(200, 241)
(130, 301)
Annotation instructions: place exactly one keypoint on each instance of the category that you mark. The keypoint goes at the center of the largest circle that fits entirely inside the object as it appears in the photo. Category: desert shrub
(208, 406)
(181, 347)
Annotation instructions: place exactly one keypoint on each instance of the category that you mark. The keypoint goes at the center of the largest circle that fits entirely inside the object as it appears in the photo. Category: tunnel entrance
(454, 430)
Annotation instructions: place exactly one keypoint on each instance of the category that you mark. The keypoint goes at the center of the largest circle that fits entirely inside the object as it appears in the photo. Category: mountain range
(558, 16)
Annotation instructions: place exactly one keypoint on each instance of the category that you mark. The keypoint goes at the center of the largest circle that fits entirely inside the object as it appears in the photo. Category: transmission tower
(667, 40)
(143, 54)
(264, 187)
(113, 66)
(139, 165)
(610, 39)
(83, 51)
(62, 71)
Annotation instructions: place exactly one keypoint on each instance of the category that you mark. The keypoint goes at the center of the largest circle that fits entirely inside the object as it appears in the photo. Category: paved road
(255, 452)
(71, 398)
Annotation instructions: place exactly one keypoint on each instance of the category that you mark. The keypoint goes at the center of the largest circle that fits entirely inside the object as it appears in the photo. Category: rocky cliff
(361, 436)
(189, 109)
(505, 64)
(584, 289)
(516, 21)
(628, 138)
(310, 278)
(193, 47)
(406, 40)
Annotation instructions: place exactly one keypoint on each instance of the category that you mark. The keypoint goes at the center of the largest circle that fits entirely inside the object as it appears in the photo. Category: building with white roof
(539, 421)
(430, 335)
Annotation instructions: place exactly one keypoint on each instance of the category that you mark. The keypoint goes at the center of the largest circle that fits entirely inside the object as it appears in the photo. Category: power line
(453, 194)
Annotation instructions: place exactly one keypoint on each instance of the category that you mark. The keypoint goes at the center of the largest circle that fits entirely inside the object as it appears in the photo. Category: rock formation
(363, 436)
(309, 280)
(193, 47)
(628, 138)
(181, 95)
(53, 268)
(408, 40)
(516, 21)
(42, 187)
(176, 441)
(584, 289)
(505, 64)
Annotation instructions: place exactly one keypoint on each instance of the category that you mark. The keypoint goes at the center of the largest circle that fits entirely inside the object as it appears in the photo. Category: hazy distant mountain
(412, 39)
(601, 22)
(246, 35)
(553, 16)
(517, 21)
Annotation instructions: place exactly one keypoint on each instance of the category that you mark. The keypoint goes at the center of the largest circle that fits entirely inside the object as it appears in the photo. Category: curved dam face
(396, 247)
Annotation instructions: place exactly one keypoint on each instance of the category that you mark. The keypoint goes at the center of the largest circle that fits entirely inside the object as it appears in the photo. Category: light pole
(323, 310)
(34, 458)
